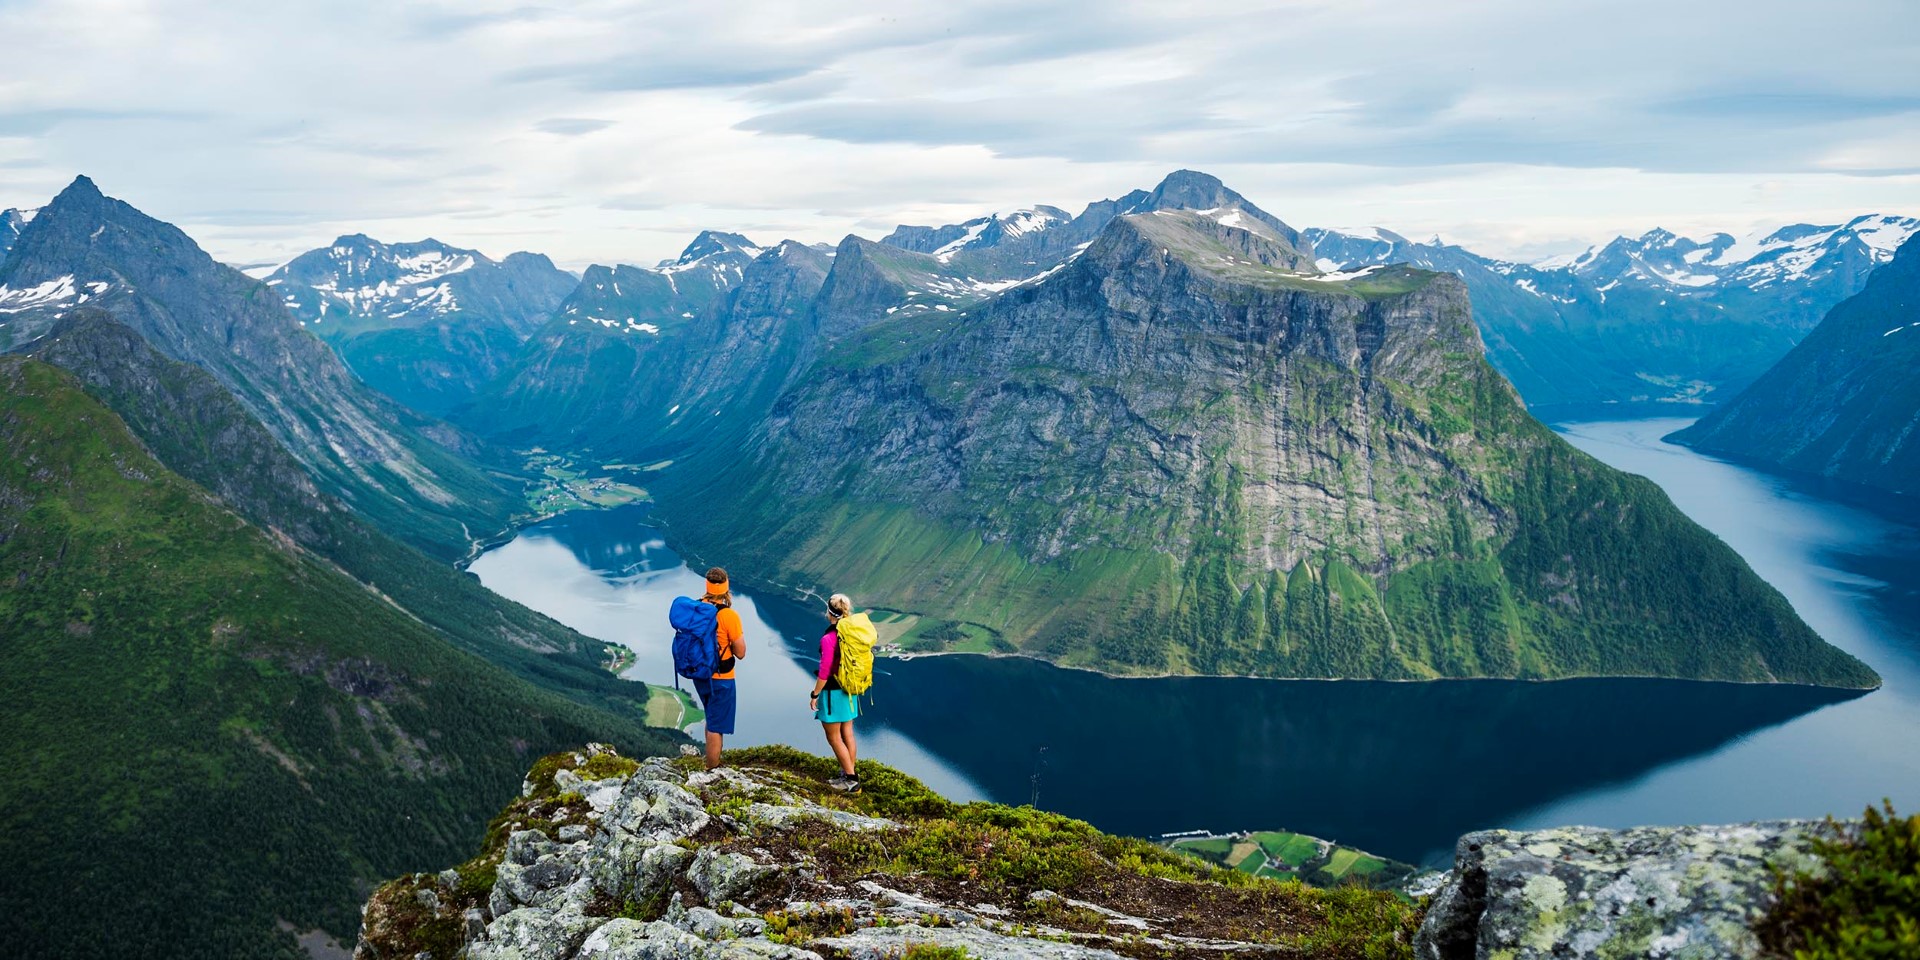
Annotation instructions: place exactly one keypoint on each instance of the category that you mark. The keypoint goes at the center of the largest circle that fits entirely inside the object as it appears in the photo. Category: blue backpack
(696, 650)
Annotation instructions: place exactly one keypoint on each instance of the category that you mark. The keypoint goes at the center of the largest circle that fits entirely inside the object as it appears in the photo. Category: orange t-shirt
(731, 637)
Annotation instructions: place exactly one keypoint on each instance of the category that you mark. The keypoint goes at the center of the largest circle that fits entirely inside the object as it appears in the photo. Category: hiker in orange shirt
(717, 694)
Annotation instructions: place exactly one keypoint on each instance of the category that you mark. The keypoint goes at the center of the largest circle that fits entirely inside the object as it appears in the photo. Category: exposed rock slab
(1572, 892)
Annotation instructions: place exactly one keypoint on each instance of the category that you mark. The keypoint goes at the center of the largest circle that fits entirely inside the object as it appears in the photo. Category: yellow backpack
(853, 666)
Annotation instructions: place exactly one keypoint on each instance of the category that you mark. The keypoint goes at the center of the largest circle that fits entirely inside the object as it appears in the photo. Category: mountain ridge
(426, 323)
(405, 472)
(1842, 405)
(1647, 320)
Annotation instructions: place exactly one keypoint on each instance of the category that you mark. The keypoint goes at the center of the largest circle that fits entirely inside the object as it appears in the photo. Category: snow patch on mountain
(45, 294)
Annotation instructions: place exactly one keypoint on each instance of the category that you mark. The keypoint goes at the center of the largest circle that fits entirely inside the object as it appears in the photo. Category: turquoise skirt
(836, 706)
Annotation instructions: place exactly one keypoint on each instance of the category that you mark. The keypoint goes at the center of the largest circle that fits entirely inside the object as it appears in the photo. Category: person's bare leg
(836, 738)
(853, 748)
(713, 750)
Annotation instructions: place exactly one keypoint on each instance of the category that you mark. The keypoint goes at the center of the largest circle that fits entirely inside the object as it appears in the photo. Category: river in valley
(1400, 769)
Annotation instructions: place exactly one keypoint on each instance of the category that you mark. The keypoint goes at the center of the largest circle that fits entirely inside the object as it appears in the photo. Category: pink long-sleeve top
(829, 649)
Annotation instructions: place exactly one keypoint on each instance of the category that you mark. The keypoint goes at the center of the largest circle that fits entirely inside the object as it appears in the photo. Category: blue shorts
(716, 697)
(837, 706)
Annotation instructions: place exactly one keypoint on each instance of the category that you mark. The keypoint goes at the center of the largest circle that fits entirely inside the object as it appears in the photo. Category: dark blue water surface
(1401, 769)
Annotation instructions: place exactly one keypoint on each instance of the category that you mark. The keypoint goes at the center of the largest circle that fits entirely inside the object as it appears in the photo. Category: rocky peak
(711, 242)
(604, 857)
(523, 260)
(781, 281)
(12, 222)
(84, 247)
(1206, 242)
(993, 230)
(1193, 190)
(358, 283)
(357, 259)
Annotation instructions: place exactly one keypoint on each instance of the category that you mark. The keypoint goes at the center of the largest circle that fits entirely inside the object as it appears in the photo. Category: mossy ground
(996, 854)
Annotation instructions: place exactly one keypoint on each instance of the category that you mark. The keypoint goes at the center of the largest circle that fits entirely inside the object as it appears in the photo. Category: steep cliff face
(1845, 403)
(1186, 450)
(627, 389)
(85, 248)
(212, 730)
(11, 223)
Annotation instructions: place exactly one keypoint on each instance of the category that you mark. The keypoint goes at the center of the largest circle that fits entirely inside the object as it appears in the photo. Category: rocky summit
(610, 858)
(1679, 892)
(606, 857)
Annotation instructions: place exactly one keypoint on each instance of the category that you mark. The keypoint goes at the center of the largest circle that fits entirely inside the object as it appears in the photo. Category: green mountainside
(1187, 451)
(1844, 403)
(195, 428)
(209, 729)
(410, 476)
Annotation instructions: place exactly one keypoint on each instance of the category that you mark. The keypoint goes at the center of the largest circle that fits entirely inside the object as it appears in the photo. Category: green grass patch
(1292, 849)
(1213, 848)
(1340, 863)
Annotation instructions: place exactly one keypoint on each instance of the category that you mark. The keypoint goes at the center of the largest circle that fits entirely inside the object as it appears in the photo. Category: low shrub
(1865, 903)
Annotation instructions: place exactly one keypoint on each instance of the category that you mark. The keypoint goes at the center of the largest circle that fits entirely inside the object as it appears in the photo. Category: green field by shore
(1279, 854)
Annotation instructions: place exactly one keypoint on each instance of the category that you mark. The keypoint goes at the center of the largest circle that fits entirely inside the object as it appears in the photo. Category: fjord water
(1397, 768)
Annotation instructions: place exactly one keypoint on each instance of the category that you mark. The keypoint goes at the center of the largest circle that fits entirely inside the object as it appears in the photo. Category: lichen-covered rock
(1686, 893)
(656, 809)
(630, 868)
(713, 926)
(534, 871)
(625, 939)
(725, 876)
(887, 943)
(790, 814)
(599, 794)
(631, 940)
(533, 933)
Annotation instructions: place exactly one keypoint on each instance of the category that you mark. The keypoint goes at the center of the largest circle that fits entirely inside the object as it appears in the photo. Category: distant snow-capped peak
(363, 277)
(997, 228)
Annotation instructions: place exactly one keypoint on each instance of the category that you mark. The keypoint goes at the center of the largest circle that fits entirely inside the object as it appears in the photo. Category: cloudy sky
(599, 130)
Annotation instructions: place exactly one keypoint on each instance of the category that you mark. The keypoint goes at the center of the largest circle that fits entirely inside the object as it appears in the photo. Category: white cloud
(611, 131)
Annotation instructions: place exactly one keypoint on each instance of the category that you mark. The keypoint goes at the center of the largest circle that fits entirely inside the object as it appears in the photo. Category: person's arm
(829, 648)
(736, 633)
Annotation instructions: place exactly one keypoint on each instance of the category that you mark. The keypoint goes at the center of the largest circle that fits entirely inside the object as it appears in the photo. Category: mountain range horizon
(1753, 231)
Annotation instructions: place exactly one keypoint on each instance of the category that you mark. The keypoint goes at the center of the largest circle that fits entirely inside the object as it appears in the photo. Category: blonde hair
(839, 605)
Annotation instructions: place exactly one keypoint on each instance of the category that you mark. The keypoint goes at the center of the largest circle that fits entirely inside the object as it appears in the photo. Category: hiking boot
(845, 784)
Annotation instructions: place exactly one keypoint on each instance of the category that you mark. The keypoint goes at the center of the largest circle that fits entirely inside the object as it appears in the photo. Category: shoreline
(1248, 676)
(797, 595)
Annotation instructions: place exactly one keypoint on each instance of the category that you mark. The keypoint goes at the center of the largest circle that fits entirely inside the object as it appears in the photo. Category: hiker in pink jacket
(837, 711)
